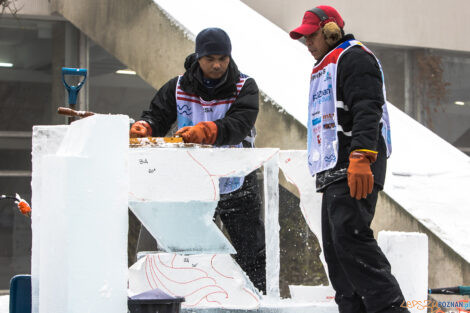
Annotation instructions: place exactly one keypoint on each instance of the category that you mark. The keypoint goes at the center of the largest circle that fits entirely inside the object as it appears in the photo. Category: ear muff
(330, 29)
(332, 33)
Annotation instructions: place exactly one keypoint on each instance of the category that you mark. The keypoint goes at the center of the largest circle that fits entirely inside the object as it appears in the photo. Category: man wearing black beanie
(213, 103)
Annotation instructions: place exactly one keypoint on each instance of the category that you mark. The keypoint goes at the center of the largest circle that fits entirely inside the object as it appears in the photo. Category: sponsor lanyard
(322, 125)
(192, 109)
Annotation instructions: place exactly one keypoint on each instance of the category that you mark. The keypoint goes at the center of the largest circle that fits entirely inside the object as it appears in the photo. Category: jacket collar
(345, 38)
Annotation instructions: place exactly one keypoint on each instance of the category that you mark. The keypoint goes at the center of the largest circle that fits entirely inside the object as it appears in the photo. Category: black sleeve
(162, 112)
(360, 80)
(241, 117)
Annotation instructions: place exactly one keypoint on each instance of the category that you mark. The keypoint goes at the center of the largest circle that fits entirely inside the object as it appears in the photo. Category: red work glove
(140, 129)
(360, 178)
(203, 132)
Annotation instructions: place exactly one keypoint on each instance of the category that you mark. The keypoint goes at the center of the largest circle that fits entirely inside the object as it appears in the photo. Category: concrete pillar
(58, 60)
(84, 62)
(408, 82)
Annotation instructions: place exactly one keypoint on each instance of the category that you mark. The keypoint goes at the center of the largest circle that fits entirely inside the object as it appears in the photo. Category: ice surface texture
(46, 140)
(203, 280)
(271, 221)
(210, 284)
(408, 256)
(294, 166)
(188, 174)
(183, 227)
(187, 179)
(82, 192)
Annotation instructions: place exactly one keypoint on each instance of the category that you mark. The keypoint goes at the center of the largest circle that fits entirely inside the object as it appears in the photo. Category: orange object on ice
(24, 208)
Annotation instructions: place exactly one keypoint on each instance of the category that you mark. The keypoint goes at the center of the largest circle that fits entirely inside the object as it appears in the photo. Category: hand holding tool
(202, 133)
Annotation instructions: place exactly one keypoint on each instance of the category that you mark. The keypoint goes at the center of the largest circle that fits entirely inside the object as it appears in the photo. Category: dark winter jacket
(239, 119)
(359, 86)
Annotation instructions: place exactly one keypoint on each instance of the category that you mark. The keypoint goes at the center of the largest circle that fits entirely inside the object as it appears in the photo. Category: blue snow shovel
(73, 90)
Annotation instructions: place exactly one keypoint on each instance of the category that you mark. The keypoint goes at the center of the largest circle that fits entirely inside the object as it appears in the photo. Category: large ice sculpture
(84, 182)
(81, 217)
(174, 192)
(192, 174)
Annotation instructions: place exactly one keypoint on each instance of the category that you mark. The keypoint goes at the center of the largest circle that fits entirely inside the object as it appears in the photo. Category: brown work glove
(360, 178)
(203, 133)
(140, 129)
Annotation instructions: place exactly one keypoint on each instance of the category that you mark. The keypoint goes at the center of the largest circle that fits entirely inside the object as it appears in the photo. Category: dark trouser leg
(357, 267)
(240, 214)
(346, 298)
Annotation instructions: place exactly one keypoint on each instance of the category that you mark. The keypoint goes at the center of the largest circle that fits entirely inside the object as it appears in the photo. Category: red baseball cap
(311, 22)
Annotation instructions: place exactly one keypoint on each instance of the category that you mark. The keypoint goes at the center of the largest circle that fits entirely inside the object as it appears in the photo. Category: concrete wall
(32, 9)
(446, 268)
(135, 32)
(417, 23)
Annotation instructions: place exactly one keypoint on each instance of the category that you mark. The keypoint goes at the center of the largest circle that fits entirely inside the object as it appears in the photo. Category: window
(32, 53)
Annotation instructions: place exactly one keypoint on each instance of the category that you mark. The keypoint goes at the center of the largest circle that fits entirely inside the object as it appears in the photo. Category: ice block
(183, 227)
(83, 219)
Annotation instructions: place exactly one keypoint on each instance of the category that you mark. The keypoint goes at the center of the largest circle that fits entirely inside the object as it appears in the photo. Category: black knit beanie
(212, 41)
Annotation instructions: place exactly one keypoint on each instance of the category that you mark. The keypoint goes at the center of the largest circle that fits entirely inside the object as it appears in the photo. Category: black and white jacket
(359, 86)
(239, 119)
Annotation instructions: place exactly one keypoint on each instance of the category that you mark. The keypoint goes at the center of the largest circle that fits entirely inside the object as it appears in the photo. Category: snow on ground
(4, 304)
(430, 179)
(426, 175)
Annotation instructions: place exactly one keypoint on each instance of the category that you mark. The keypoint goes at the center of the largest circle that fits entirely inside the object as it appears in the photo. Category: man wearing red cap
(213, 103)
(348, 146)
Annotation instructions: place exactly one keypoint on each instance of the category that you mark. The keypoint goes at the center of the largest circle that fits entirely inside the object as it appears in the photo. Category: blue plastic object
(20, 294)
(73, 90)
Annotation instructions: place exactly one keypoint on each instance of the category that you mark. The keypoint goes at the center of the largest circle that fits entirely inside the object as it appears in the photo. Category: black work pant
(240, 214)
(358, 270)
